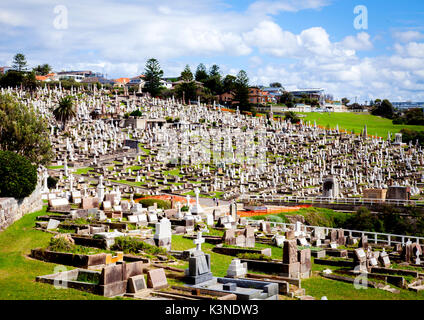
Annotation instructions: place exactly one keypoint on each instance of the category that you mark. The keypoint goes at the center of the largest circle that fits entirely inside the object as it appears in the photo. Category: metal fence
(322, 200)
(375, 237)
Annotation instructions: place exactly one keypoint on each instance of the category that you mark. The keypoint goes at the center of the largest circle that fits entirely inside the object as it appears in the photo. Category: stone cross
(198, 241)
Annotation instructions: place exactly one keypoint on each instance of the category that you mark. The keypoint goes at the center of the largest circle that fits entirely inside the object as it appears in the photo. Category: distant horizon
(367, 50)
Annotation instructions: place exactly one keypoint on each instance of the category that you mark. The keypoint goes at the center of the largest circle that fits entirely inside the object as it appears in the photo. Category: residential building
(408, 105)
(227, 98)
(310, 93)
(259, 96)
(3, 70)
(121, 82)
(48, 77)
(78, 76)
(101, 80)
(137, 81)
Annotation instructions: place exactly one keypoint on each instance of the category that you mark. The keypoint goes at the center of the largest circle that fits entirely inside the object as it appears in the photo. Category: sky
(362, 50)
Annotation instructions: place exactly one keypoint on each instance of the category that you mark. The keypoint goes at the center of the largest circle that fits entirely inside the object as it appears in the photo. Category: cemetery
(191, 202)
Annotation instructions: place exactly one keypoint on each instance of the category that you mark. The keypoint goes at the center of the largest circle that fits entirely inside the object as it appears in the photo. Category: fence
(376, 237)
(322, 200)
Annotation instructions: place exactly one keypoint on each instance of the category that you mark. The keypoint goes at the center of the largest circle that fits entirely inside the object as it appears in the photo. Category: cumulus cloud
(360, 42)
(276, 6)
(117, 39)
(408, 36)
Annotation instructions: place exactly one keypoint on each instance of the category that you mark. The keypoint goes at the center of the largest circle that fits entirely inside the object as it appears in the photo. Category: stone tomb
(237, 269)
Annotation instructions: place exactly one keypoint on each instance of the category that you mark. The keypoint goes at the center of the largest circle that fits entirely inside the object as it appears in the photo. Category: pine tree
(153, 75)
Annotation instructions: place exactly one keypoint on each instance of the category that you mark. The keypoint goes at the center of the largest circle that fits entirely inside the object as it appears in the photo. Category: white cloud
(408, 36)
(360, 42)
(117, 38)
(276, 6)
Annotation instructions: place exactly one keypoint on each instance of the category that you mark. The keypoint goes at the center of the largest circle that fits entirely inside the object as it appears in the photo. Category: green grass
(175, 172)
(318, 287)
(356, 122)
(18, 272)
(83, 170)
(55, 167)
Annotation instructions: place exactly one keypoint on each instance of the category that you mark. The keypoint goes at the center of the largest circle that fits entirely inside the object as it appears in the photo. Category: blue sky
(300, 43)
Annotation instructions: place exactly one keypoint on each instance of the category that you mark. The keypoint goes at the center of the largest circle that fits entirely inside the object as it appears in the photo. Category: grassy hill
(356, 122)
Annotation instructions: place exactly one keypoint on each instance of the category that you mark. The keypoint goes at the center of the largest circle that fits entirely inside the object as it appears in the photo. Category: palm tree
(65, 111)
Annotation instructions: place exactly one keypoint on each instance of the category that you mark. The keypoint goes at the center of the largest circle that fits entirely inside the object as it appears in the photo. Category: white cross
(198, 241)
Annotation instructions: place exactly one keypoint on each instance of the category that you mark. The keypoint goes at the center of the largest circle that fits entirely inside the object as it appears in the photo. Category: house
(96, 80)
(3, 70)
(47, 78)
(78, 76)
(165, 83)
(120, 82)
(259, 96)
(137, 81)
(227, 98)
(310, 93)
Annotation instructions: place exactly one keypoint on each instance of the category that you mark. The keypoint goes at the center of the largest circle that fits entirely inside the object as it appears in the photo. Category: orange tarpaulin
(167, 197)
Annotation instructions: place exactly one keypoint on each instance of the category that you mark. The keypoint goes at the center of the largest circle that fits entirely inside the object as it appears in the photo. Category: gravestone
(199, 268)
(53, 224)
(363, 242)
(360, 258)
(229, 237)
(291, 266)
(163, 234)
(384, 259)
(156, 279)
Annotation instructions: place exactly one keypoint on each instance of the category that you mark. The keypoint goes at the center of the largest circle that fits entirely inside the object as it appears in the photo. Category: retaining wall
(12, 209)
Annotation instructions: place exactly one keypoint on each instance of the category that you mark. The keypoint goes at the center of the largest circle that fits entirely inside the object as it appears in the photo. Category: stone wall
(12, 209)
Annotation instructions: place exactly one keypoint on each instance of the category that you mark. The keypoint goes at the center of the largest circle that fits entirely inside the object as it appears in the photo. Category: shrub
(132, 245)
(136, 113)
(184, 209)
(60, 245)
(162, 204)
(51, 182)
(17, 175)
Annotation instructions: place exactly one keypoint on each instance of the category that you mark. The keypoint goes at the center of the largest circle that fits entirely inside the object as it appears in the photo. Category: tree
(12, 79)
(186, 91)
(229, 83)
(242, 90)
(42, 69)
(23, 131)
(275, 85)
(214, 71)
(65, 111)
(292, 117)
(153, 75)
(17, 175)
(201, 74)
(345, 101)
(19, 62)
(187, 75)
(287, 99)
(383, 108)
